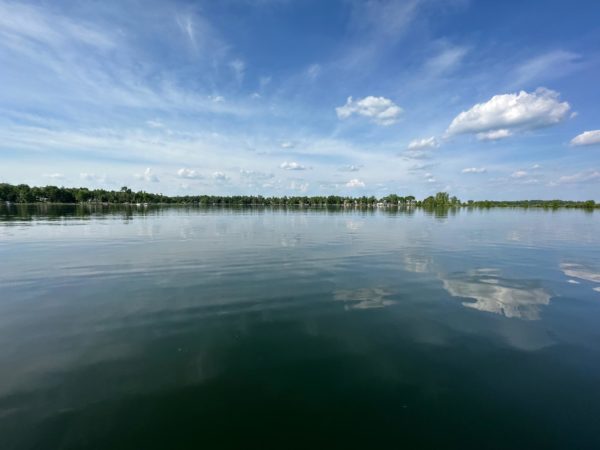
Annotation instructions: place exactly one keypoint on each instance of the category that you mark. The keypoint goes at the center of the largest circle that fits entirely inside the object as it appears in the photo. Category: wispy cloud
(547, 66)
(587, 176)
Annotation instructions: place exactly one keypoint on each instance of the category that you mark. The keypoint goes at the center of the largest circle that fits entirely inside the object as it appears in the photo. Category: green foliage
(22, 193)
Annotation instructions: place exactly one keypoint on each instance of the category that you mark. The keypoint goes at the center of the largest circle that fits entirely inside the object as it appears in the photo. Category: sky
(482, 99)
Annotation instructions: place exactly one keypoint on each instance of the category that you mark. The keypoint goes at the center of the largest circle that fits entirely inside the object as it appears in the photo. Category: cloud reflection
(579, 271)
(364, 298)
(509, 298)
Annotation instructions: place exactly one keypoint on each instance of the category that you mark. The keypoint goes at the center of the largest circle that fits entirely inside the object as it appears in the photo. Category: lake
(183, 327)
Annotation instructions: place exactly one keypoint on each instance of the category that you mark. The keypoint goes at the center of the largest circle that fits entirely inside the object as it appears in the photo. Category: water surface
(216, 328)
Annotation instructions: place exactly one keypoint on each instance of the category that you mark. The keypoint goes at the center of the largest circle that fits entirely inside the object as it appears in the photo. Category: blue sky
(483, 99)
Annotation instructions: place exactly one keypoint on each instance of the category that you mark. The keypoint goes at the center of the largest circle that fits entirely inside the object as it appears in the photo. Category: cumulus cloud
(292, 165)
(355, 183)
(419, 144)
(474, 170)
(148, 176)
(587, 138)
(220, 176)
(92, 177)
(494, 135)
(188, 173)
(518, 111)
(380, 110)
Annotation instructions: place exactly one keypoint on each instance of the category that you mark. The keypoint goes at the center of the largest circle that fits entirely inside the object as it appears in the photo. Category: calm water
(195, 328)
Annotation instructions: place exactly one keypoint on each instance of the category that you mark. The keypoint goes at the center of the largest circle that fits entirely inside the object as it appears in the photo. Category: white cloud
(380, 110)
(148, 176)
(287, 144)
(292, 165)
(587, 138)
(188, 173)
(54, 176)
(220, 176)
(474, 170)
(536, 166)
(355, 183)
(418, 144)
(519, 174)
(494, 135)
(581, 177)
(519, 111)
(92, 177)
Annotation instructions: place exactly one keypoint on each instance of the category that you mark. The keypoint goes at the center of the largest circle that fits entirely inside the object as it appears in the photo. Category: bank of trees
(551, 204)
(23, 193)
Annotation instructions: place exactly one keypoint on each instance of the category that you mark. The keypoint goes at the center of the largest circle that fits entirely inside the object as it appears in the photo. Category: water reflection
(581, 272)
(417, 263)
(364, 298)
(492, 293)
(106, 314)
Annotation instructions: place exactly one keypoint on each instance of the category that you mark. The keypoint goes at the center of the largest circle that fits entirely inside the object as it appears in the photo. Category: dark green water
(194, 328)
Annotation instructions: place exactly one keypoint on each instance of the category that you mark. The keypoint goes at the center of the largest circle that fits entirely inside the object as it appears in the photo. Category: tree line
(23, 193)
